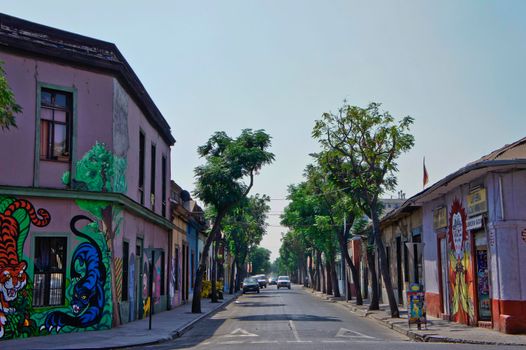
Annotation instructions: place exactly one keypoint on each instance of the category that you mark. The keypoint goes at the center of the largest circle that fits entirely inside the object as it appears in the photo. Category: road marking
(264, 342)
(230, 342)
(296, 335)
(239, 332)
(333, 341)
(347, 333)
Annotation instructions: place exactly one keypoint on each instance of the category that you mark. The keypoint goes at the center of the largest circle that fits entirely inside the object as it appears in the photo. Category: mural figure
(460, 272)
(13, 276)
(89, 272)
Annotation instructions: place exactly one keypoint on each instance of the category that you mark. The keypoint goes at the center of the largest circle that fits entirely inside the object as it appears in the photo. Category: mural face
(460, 269)
(14, 226)
(88, 275)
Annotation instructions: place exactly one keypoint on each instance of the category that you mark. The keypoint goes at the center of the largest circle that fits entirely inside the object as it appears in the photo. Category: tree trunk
(232, 280)
(334, 279)
(354, 270)
(198, 283)
(323, 280)
(375, 302)
(214, 269)
(384, 265)
(328, 279)
(318, 271)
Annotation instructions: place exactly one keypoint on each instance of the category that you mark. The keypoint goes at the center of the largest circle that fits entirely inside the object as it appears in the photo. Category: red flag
(426, 175)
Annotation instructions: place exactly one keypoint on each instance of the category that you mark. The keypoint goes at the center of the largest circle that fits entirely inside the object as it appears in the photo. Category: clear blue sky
(457, 67)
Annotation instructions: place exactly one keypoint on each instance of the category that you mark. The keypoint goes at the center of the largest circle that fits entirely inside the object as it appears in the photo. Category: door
(399, 278)
(138, 278)
(444, 275)
(482, 276)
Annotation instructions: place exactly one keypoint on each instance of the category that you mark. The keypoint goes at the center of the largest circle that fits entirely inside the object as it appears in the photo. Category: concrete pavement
(166, 325)
(438, 330)
(296, 319)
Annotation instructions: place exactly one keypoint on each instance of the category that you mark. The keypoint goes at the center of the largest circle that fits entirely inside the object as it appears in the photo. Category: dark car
(262, 280)
(250, 285)
(283, 282)
(272, 281)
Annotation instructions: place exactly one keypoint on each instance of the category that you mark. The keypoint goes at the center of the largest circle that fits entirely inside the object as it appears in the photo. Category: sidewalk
(438, 330)
(166, 325)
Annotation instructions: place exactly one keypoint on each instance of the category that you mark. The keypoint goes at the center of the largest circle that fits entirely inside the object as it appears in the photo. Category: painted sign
(474, 223)
(416, 300)
(439, 218)
(460, 266)
(523, 234)
(477, 203)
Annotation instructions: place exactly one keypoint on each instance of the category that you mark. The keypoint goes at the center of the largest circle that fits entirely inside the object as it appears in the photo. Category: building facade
(84, 187)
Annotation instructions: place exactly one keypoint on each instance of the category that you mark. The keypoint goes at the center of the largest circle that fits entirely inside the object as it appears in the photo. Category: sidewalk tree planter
(220, 182)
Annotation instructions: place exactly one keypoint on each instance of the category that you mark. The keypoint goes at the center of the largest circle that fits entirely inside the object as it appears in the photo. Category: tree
(360, 147)
(8, 105)
(259, 257)
(244, 227)
(341, 211)
(220, 182)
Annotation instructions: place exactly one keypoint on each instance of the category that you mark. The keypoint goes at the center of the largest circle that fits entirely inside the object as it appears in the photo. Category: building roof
(506, 158)
(42, 41)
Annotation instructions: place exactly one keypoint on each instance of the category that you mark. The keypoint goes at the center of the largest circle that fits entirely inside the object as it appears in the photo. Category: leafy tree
(8, 105)
(220, 182)
(260, 259)
(361, 146)
(244, 227)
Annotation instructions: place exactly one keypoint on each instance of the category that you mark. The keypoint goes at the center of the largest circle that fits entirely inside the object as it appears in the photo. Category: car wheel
(289, 287)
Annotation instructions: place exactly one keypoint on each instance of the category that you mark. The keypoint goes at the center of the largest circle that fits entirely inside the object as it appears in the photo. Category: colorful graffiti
(14, 225)
(460, 269)
(88, 275)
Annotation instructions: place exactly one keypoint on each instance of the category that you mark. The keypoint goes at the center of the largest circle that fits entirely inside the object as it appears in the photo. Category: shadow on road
(257, 304)
(287, 317)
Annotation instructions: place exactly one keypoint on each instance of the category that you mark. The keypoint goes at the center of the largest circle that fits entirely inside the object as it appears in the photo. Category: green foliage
(220, 181)
(8, 105)
(360, 147)
(245, 225)
(260, 259)
(206, 291)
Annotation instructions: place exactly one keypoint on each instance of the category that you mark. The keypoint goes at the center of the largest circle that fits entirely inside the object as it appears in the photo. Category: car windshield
(249, 280)
(283, 278)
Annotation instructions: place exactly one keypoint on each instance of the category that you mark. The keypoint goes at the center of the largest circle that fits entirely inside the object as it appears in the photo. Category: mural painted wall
(87, 296)
(461, 279)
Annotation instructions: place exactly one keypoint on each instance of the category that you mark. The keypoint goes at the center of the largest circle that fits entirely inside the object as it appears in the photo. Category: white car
(283, 281)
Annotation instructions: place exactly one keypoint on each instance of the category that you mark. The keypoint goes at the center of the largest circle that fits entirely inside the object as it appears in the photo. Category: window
(163, 186)
(50, 270)
(55, 125)
(142, 144)
(125, 259)
(152, 178)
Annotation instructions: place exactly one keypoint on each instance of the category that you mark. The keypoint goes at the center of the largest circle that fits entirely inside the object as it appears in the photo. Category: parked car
(250, 285)
(283, 281)
(272, 281)
(262, 280)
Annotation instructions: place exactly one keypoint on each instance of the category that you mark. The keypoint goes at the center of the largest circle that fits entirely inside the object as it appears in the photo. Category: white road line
(264, 342)
(231, 342)
(294, 331)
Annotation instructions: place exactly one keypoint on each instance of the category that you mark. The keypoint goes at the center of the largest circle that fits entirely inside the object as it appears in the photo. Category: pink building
(84, 187)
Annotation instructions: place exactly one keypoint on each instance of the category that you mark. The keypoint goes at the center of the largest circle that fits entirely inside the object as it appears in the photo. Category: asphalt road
(295, 319)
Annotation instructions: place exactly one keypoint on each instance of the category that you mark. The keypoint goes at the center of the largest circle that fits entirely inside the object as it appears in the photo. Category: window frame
(65, 270)
(142, 165)
(73, 129)
(52, 123)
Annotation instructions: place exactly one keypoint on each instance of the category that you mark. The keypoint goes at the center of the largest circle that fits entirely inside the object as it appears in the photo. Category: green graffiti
(99, 170)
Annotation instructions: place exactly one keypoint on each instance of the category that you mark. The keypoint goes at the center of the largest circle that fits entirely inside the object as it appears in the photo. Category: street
(288, 319)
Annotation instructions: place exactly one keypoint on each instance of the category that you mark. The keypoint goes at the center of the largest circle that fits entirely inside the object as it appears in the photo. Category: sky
(457, 67)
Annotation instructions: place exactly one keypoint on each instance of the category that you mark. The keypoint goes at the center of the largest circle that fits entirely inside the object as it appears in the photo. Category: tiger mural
(13, 276)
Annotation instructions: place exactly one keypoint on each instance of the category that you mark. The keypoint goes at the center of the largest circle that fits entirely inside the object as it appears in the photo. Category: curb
(426, 338)
(174, 335)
